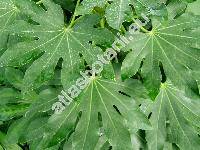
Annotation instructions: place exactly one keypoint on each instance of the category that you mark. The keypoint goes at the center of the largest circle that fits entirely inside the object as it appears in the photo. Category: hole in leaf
(149, 116)
(100, 120)
(81, 55)
(115, 107)
(164, 78)
(124, 93)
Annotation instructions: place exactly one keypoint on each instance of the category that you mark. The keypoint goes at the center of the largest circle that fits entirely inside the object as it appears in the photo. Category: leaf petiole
(74, 15)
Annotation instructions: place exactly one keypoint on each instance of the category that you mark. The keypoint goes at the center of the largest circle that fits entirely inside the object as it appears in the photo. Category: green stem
(123, 29)
(102, 23)
(141, 27)
(74, 15)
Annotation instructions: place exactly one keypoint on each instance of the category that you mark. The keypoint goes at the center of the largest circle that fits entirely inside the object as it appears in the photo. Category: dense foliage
(146, 98)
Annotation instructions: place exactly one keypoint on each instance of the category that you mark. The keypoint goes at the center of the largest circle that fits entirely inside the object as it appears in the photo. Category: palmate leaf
(119, 10)
(172, 44)
(35, 35)
(55, 41)
(174, 119)
(101, 109)
(9, 11)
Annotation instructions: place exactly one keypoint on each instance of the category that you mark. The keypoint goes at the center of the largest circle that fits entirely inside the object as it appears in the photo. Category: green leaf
(34, 130)
(194, 7)
(174, 118)
(15, 77)
(6, 145)
(119, 10)
(55, 41)
(12, 111)
(66, 4)
(170, 45)
(9, 95)
(12, 104)
(116, 13)
(42, 104)
(196, 75)
(176, 8)
(100, 101)
(9, 11)
(147, 98)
